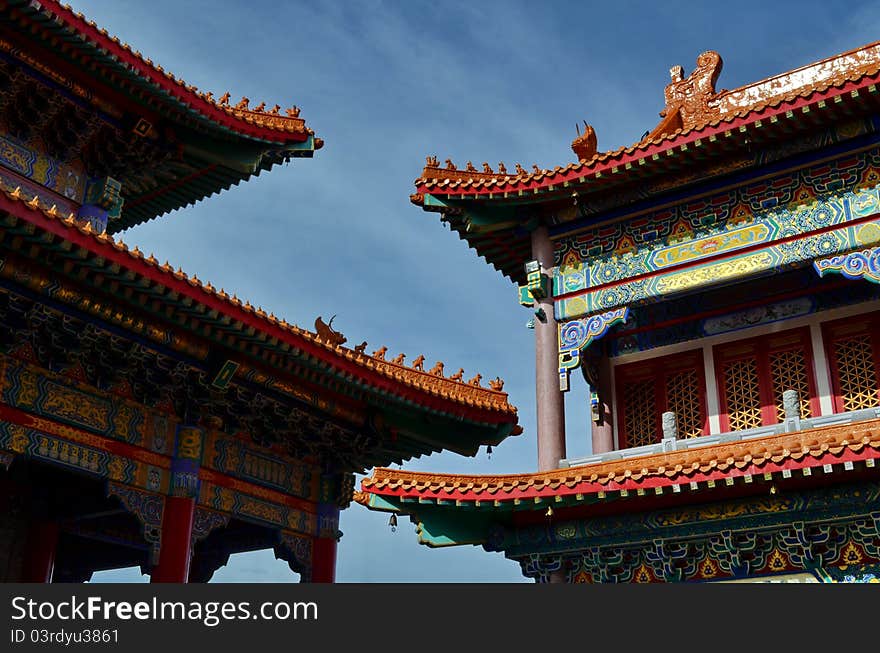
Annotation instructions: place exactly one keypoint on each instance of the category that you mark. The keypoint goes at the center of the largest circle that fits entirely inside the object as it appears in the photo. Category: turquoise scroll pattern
(864, 264)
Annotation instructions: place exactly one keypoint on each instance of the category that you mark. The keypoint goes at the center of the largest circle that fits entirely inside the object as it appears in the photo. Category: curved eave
(700, 469)
(484, 409)
(62, 23)
(211, 180)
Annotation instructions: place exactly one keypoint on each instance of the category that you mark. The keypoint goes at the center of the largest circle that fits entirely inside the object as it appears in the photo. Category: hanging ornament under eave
(489, 451)
(393, 522)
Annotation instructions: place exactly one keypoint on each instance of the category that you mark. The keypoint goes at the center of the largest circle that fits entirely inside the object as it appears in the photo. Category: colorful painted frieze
(748, 231)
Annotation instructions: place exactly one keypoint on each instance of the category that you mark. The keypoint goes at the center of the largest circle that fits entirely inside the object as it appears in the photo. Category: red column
(42, 545)
(324, 560)
(176, 541)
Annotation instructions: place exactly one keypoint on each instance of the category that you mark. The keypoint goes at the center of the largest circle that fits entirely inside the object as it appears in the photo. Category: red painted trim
(129, 59)
(619, 160)
(82, 437)
(186, 288)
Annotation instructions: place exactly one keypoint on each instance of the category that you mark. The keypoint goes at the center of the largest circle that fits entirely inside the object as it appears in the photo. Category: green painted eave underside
(218, 166)
(500, 234)
(437, 528)
(447, 522)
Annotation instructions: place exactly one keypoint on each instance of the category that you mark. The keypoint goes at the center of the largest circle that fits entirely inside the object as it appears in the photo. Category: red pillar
(42, 545)
(175, 546)
(324, 560)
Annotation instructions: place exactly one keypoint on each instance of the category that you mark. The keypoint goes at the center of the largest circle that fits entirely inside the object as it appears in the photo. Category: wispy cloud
(386, 83)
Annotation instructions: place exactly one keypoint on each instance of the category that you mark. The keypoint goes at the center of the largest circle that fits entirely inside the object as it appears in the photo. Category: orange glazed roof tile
(259, 121)
(803, 450)
(703, 114)
(484, 404)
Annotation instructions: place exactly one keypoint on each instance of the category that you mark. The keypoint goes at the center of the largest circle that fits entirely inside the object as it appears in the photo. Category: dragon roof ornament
(690, 101)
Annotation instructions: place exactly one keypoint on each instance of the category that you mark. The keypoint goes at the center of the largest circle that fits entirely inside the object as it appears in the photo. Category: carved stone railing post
(791, 405)
(670, 427)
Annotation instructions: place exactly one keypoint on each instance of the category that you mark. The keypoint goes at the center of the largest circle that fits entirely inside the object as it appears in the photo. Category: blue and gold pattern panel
(78, 457)
(755, 228)
(265, 467)
(257, 510)
(25, 159)
(69, 401)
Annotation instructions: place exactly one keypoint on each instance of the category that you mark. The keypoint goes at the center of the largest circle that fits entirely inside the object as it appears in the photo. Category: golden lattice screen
(789, 371)
(854, 360)
(639, 412)
(684, 398)
(742, 392)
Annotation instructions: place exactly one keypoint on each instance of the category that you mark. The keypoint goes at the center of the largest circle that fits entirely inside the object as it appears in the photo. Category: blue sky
(385, 84)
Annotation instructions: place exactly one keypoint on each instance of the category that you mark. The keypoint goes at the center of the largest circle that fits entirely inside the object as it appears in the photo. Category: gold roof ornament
(585, 145)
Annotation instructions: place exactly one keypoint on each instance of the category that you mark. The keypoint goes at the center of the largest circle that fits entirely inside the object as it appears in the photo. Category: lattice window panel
(742, 394)
(854, 358)
(683, 397)
(640, 413)
(789, 371)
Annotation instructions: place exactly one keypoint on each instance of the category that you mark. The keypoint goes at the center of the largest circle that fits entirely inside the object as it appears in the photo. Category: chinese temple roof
(214, 142)
(699, 469)
(203, 319)
(486, 206)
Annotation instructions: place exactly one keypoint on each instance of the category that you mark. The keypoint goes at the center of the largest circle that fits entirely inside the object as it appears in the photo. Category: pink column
(551, 407)
(603, 434)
